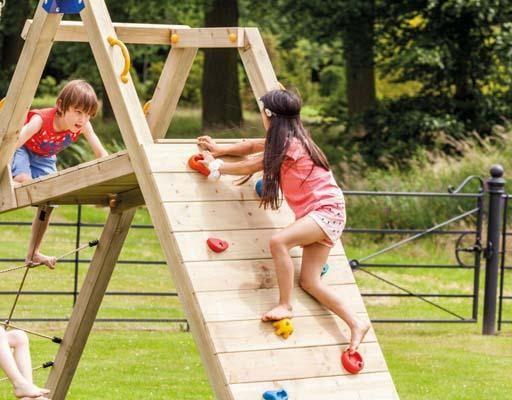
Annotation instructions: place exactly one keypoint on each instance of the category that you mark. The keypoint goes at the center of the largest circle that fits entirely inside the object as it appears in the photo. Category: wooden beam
(257, 64)
(137, 137)
(86, 177)
(169, 89)
(25, 81)
(74, 31)
(88, 303)
(7, 194)
(208, 37)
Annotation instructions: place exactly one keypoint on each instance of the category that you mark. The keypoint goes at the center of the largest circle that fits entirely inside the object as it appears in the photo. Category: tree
(13, 19)
(220, 87)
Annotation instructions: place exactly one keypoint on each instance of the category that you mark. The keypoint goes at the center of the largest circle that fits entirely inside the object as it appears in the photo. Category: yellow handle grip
(145, 108)
(126, 71)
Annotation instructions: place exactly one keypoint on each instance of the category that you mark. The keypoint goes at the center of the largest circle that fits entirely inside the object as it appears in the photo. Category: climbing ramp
(232, 289)
(223, 294)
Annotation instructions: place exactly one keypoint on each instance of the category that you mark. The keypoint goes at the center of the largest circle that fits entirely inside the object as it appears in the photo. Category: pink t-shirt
(305, 190)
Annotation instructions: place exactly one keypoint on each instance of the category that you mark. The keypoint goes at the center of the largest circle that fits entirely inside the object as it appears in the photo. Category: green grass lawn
(159, 361)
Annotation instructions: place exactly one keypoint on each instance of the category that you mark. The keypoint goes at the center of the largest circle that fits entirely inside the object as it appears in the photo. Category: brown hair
(78, 94)
(285, 124)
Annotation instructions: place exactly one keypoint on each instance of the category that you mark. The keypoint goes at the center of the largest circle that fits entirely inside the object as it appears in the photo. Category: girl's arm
(245, 167)
(233, 149)
(29, 129)
(94, 141)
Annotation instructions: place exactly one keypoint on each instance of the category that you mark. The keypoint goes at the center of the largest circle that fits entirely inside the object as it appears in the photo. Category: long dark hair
(285, 124)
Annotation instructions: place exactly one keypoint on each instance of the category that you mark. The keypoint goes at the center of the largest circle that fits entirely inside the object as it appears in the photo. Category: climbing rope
(47, 364)
(54, 339)
(27, 267)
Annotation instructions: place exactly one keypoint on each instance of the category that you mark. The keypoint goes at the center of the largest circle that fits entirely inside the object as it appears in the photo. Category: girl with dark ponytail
(294, 165)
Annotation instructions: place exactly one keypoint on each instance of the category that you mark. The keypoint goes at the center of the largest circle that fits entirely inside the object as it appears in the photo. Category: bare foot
(28, 390)
(278, 312)
(40, 258)
(357, 334)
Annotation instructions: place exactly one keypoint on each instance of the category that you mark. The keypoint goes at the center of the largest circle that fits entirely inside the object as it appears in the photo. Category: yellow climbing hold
(232, 37)
(174, 38)
(283, 327)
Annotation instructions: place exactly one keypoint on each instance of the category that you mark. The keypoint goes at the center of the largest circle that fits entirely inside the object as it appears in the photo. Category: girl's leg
(301, 233)
(7, 362)
(314, 257)
(19, 342)
(15, 367)
(39, 226)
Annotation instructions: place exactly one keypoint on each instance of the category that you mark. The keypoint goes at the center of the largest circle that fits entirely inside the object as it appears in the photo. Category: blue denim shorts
(25, 161)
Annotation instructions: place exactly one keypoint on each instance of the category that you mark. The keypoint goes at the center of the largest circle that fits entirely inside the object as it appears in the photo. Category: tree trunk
(220, 89)
(13, 19)
(358, 40)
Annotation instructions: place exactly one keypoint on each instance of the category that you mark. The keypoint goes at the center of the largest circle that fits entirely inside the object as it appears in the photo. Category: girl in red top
(293, 163)
(46, 133)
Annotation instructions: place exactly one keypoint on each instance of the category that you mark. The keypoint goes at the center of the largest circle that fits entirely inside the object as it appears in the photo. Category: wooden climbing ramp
(223, 294)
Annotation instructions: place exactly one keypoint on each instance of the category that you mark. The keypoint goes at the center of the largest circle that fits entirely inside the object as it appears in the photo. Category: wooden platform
(90, 183)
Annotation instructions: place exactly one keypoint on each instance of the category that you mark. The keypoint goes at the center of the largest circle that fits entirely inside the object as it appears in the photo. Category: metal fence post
(496, 190)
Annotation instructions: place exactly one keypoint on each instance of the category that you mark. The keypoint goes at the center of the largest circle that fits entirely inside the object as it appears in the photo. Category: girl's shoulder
(296, 149)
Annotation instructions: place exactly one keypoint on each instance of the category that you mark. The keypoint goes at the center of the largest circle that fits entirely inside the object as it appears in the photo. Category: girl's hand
(212, 164)
(207, 143)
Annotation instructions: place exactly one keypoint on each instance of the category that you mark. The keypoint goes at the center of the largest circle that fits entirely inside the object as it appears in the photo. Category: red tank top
(47, 142)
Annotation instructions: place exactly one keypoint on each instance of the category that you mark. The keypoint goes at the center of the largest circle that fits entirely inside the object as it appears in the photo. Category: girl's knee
(276, 244)
(18, 338)
(309, 284)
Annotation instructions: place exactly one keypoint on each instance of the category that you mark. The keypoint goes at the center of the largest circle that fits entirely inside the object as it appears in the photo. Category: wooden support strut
(88, 302)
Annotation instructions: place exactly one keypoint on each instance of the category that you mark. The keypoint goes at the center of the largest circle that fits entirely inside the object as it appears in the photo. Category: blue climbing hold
(259, 187)
(325, 269)
(63, 6)
(275, 395)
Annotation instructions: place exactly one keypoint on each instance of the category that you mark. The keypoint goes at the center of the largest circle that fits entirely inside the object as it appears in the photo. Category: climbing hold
(232, 37)
(259, 187)
(325, 269)
(283, 327)
(175, 38)
(352, 362)
(275, 395)
(193, 162)
(217, 245)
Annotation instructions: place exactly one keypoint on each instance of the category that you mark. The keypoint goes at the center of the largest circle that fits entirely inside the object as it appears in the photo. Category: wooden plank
(24, 83)
(174, 158)
(235, 305)
(169, 89)
(297, 363)
(88, 303)
(74, 31)
(7, 194)
(243, 245)
(256, 274)
(373, 386)
(195, 216)
(193, 186)
(320, 330)
(105, 172)
(257, 64)
(136, 135)
(209, 37)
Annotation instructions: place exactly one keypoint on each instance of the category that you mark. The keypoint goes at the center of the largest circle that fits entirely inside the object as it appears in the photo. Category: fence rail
(473, 233)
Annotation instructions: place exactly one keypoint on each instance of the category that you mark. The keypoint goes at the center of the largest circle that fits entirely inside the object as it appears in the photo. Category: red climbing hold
(217, 245)
(352, 362)
(193, 162)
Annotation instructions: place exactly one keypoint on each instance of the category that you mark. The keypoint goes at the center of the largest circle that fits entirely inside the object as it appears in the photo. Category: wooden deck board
(88, 183)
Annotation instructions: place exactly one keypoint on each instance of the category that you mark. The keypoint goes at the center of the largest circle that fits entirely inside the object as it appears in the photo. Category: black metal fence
(470, 241)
